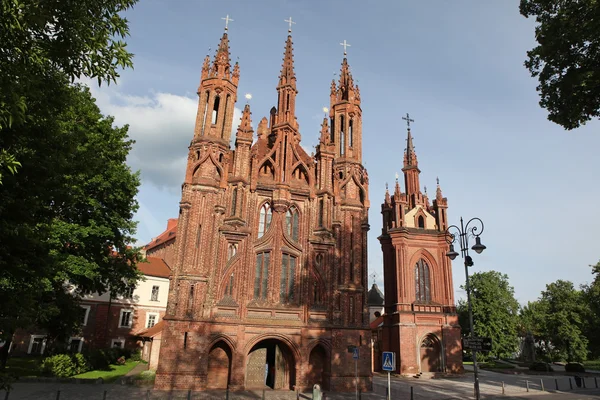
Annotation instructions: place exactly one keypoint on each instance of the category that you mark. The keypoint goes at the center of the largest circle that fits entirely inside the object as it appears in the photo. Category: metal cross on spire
(373, 276)
(345, 45)
(227, 20)
(408, 120)
(290, 22)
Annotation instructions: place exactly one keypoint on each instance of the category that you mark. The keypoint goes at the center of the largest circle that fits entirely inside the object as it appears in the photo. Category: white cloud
(162, 124)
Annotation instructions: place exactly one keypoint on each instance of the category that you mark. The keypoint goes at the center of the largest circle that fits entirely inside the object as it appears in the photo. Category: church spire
(411, 168)
(221, 67)
(286, 89)
(245, 128)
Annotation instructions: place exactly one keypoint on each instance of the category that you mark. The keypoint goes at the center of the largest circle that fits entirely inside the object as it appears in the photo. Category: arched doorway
(318, 368)
(270, 363)
(219, 366)
(431, 354)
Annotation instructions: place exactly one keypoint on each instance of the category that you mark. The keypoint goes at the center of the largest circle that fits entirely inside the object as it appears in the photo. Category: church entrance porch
(270, 364)
(431, 352)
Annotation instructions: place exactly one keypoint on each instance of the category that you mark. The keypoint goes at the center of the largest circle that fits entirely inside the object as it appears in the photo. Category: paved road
(438, 389)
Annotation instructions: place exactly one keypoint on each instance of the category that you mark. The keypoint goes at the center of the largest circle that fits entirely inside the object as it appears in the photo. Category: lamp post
(460, 234)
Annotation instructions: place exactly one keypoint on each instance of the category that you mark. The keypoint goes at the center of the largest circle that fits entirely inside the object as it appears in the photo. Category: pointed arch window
(422, 282)
(351, 133)
(264, 220)
(215, 111)
(288, 278)
(261, 276)
(231, 250)
(292, 220)
(234, 197)
(421, 222)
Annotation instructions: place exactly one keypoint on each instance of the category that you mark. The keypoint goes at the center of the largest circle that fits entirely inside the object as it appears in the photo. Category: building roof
(375, 297)
(154, 266)
(151, 332)
(376, 323)
(167, 235)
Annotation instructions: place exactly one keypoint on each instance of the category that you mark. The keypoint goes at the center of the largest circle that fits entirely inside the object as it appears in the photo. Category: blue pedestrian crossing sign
(388, 361)
(355, 353)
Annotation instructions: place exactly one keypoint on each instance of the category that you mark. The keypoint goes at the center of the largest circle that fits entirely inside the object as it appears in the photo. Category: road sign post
(388, 362)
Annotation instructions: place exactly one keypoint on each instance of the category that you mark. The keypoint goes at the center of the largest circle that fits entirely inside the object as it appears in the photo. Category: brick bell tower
(269, 284)
(420, 321)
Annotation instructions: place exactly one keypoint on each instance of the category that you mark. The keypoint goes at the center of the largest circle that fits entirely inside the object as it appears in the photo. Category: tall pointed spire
(222, 61)
(287, 75)
(410, 157)
(245, 128)
(286, 89)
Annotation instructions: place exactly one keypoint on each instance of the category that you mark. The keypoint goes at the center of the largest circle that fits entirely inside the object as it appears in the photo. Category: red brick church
(420, 323)
(269, 258)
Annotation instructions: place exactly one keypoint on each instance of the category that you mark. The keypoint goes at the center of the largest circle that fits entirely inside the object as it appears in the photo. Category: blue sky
(456, 67)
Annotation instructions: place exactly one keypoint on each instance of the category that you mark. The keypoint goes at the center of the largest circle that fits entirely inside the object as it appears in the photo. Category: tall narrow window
(198, 235)
(261, 276)
(287, 103)
(191, 300)
(264, 219)
(292, 220)
(224, 116)
(154, 295)
(234, 200)
(316, 292)
(350, 134)
(215, 112)
(342, 135)
(351, 272)
(332, 133)
(288, 278)
(421, 222)
(321, 212)
(229, 289)
(207, 94)
(422, 285)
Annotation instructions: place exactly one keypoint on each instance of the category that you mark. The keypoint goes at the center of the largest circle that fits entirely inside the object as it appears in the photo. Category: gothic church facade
(420, 323)
(269, 281)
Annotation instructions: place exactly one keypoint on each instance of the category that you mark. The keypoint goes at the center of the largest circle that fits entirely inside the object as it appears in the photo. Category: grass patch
(592, 364)
(115, 372)
(24, 366)
(495, 365)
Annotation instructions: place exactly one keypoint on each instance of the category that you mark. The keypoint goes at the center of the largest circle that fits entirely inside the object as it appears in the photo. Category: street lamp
(461, 236)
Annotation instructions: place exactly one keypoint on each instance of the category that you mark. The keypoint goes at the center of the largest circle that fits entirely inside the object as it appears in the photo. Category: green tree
(495, 311)
(38, 37)
(564, 321)
(591, 298)
(532, 319)
(566, 60)
(66, 219)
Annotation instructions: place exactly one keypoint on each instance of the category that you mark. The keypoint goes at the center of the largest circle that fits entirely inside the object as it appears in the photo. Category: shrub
(541, 366)
(574, 367)
(136, 355)
(81, 364)
(98, 359)
(60, 365)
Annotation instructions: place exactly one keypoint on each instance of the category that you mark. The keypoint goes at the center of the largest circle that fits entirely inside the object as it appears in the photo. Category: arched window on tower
(207, 96)
(292, 220)
(351, 133)
(342, 135)
(421, 222)
(215, 112)
(231, 250)
(422, 283)
(264, 220)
